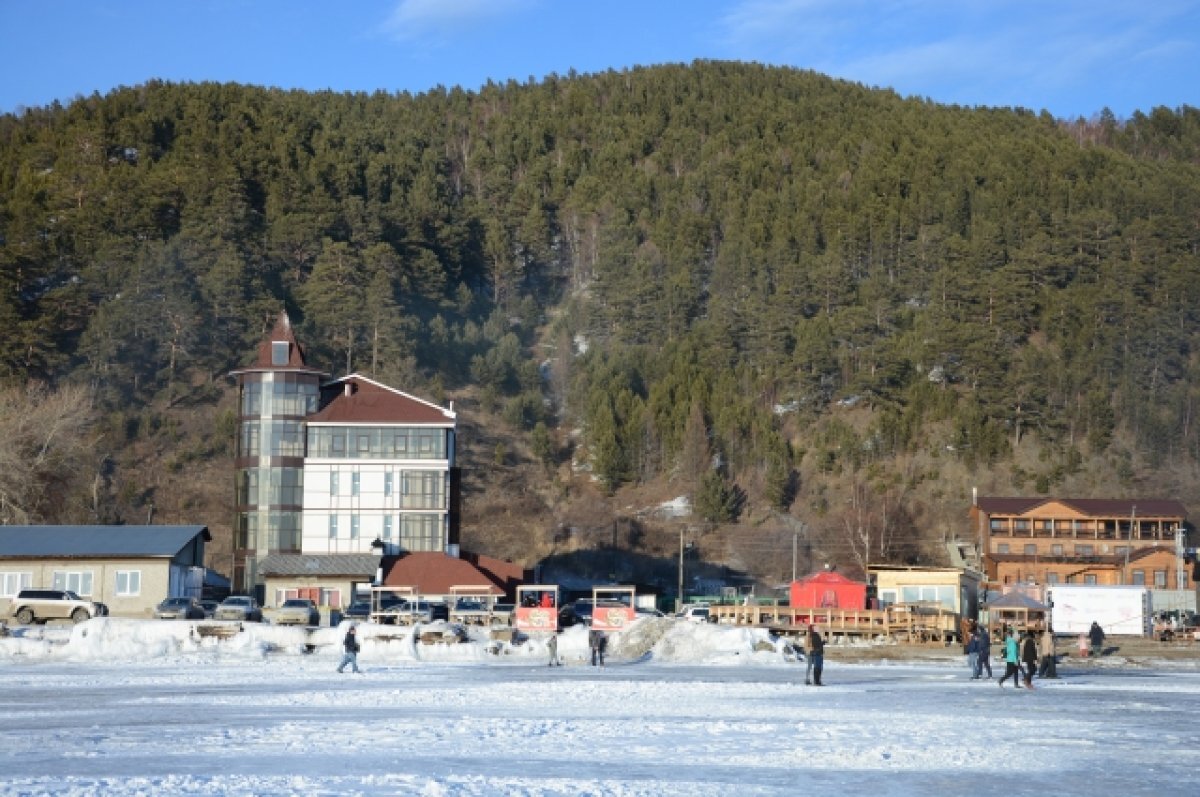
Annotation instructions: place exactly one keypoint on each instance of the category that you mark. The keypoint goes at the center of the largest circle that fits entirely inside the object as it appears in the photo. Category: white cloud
(1018, 52)
(443, 19)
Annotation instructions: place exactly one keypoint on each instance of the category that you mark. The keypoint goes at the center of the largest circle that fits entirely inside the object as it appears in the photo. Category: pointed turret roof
(295, 361)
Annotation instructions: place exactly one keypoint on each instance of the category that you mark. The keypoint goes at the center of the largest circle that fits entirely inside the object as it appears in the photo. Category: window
(1139, 577)
(1121, 550)
(1002, 548)
(1160, 578)
(331, 598)
(279, 352)
(387, 527)
(1056, 550)
(333, 527)
(354, 527)
(355, 482)
(1089, 579)
(387, 483)
(12, 583)
(129, 582)
(333, 482)
(1051, 578)
(1084, 550)
(1031, 550)
(77, 581)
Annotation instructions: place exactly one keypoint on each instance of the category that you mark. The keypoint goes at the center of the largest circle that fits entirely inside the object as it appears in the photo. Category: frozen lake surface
(138, 707)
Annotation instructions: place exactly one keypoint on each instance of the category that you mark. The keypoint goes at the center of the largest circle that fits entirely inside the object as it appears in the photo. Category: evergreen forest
(817, 310)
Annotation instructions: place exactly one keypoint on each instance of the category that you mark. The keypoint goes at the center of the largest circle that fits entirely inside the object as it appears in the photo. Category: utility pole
(679, 593)
(1180, 574)
(1128, 545)
(795, 537)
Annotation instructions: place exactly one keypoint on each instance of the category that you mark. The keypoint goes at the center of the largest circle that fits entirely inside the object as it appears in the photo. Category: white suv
(39, 605)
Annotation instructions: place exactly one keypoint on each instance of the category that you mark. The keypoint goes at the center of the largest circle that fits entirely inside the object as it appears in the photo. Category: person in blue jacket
(1012, 659)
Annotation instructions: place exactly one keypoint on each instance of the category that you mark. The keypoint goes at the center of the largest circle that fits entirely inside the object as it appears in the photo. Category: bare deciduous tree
(45, 447)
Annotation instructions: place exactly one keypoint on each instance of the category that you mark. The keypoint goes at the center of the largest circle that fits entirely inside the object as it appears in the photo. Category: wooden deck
(909, 623)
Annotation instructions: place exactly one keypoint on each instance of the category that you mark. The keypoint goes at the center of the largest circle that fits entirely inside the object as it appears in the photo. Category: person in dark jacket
(598, 642)
(985, 653)
(1049, 666)
(973, 652)
(350, 646)
(815, 654)
(1096, 638)
(1029, 656)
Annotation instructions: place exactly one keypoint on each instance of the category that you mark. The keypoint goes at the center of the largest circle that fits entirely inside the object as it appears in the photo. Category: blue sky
(1070, 57)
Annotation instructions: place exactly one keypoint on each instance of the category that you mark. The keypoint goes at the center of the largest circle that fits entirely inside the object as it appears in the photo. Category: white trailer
(1120, 610)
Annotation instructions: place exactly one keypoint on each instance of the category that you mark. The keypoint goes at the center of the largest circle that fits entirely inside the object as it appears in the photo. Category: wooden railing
(912, 622)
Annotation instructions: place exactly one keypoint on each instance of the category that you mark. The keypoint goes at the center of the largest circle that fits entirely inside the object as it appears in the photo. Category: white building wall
(361, 512)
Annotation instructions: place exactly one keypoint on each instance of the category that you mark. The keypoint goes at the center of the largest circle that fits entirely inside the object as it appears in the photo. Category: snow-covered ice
(129, 707)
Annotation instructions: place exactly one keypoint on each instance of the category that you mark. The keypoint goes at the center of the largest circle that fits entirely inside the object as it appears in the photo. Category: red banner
(536, 618)
(612, 618)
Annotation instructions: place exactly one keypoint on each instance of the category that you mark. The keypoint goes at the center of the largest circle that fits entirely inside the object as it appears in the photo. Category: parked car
(407, 612)
(358, 610)
(696, 613)
(239, 607)
(470, 611)
(179, 609)
(39, 605)
(298, 611)
(646, 611)
(209, 607)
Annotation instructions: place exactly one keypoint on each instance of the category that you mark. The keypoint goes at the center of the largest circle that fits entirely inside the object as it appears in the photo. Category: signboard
(612, 617)
(536, 618)
(1118, 609)
(537, 608)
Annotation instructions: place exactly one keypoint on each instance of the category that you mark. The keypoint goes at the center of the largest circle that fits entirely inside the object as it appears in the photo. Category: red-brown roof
(505, 575)
(1093, 507)
(357, 399)
(434, 573)
(281, 333)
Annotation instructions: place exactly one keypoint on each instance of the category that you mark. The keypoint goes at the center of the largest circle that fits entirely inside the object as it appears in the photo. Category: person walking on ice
(815, 654)
(552, 649)
(1012, 660)
(350, 646)
(1029, 655)
(985, 653)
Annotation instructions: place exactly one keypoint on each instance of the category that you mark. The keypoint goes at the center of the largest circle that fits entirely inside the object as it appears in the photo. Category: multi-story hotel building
(341, 467)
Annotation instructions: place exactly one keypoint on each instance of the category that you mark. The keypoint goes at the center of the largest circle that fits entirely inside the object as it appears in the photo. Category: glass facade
(269, 482)
(379, 442)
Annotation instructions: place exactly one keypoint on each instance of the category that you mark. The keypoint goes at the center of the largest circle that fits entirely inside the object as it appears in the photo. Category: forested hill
(763, 287)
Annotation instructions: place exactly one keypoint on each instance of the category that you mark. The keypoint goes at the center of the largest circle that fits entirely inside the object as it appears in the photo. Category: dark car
(570, 614)
(179, 609)
(209, 607)
(358, 610)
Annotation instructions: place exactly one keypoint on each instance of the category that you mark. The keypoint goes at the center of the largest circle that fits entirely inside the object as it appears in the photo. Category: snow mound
(648, 639)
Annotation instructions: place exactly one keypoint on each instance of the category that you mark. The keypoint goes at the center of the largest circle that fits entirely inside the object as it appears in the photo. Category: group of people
(1039, 656)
